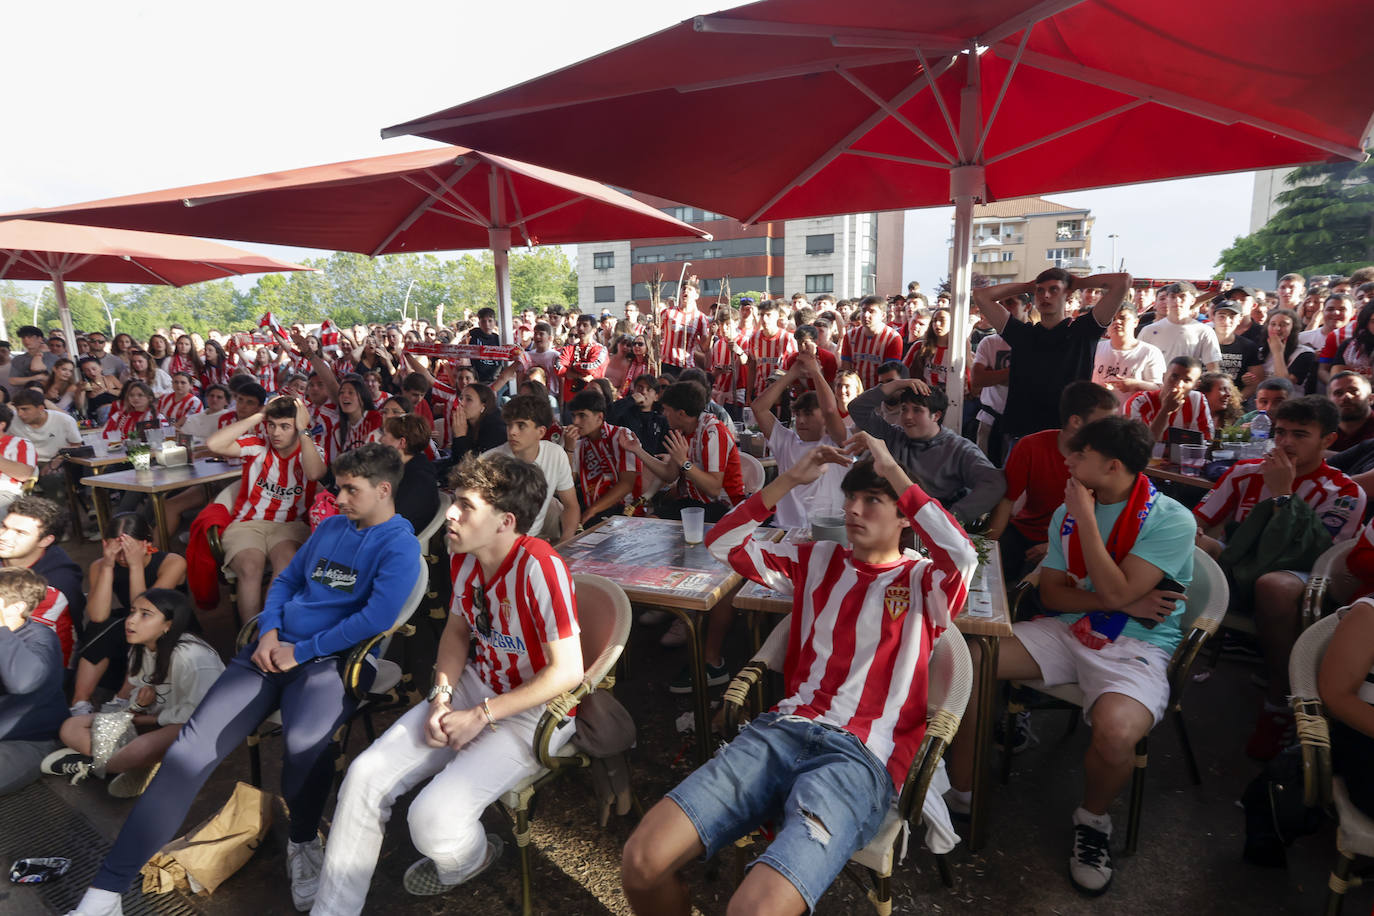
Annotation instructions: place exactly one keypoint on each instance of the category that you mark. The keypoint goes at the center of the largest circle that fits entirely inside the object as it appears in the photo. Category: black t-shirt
(1302, 366)
(1044, 361)
(1238, 356)
(486, 370)
(1358, 459)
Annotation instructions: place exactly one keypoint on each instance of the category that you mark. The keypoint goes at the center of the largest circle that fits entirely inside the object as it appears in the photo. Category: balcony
(1076, 266)
(998, 268)
(1070, 236)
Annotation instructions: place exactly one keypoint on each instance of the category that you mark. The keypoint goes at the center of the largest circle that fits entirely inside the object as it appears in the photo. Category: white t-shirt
(552, 462)
(1142, 362)
(57, 432)
(993, 353)
(1192, 338)
(1315, 339)
(820, 497)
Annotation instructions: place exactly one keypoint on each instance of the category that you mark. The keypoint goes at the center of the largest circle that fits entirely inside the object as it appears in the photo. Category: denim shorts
(825, 793)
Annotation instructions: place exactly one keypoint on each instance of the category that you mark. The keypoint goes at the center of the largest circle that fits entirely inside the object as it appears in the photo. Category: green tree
(1325, 224)
(539, 277)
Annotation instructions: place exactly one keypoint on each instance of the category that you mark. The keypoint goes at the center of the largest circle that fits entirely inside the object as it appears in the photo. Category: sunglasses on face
(479, 604)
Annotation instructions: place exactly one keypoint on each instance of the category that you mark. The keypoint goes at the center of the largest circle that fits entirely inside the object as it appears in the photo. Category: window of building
(820, 244)
(820, 283)
(1059, 254)
(603, 293)
(712, 253)
(1068, 230)
(710, 286)
(1006, 256)
(603, 260)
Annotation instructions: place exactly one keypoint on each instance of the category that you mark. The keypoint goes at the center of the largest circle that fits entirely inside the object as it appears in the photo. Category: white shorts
(1127, 666)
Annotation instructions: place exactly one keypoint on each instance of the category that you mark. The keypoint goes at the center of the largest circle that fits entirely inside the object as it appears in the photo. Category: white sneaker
(303, 864)
(676, 635)
(82, 708)
(98, 903)
(653, 617)
(1090, 865)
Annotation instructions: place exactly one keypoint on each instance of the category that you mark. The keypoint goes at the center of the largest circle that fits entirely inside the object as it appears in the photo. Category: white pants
(445, 818)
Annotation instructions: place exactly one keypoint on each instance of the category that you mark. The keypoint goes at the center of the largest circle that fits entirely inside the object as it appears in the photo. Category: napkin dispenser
(172, 456)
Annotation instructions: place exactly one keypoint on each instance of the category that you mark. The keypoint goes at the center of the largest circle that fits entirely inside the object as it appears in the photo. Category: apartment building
(1014, 240)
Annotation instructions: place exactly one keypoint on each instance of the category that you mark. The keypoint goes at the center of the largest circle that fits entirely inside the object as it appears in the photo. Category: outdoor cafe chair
(1203, 610)
(951, 681)
(1354, 828)
(603, 618)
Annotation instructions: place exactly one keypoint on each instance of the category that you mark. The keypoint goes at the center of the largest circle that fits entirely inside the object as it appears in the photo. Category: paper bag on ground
(205, 857)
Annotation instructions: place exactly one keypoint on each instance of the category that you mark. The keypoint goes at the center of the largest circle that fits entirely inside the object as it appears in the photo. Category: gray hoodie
(947, 466)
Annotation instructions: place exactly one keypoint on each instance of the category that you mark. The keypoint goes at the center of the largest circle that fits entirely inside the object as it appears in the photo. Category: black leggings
(106, 643)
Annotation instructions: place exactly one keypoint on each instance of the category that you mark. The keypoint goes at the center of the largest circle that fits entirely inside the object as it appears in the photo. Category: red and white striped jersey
(55, 613)
(274, 488)
(342, 366)
(765, 356)
(1194, 414)
(728, 375)
(445, 396)
(176, 411)
(681, 332)
(860, 634)
(548, 361)
(324, 426)
(601, 461)
(266, 376)
(1351, 355)
(125, 423)
(714, 449)
(1337, 500)
(16, 448)
(215, 375)
(349, 436)
(1334, 343)
(179, 363)
(588, 359)
(528, 603)
(866, 352)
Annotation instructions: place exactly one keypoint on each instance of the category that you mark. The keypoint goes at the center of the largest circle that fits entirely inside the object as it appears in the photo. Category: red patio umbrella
(32, 250)
(887, 104)
(432, 200)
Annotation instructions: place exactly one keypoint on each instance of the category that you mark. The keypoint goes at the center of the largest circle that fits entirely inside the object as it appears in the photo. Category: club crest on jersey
(897, 600)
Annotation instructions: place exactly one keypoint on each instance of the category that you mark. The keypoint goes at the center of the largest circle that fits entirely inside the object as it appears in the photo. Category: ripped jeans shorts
(823, 791)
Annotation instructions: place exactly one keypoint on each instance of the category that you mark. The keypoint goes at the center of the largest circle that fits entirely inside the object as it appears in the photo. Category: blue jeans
(819, 785)
(313, 704)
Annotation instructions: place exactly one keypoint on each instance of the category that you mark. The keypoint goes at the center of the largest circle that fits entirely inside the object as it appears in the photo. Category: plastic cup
(1191, 459)
(828, 528)
(694, 525)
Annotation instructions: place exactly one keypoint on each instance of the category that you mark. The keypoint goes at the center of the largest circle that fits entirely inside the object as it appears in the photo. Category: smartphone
(1165, 585)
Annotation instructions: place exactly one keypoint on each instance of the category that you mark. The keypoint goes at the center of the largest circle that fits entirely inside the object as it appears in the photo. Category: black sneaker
(1022, 738)
(67, 762)
(715, 677)
(1090, 866)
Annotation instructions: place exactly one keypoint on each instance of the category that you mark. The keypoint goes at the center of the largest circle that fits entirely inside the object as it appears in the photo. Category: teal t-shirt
(1165, 542)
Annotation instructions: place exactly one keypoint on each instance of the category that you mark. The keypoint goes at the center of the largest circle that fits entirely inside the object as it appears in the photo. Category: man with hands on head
(829, 759)
(280, 468)
(341, 587)
(951, 468)
(1047, 356)
(510, 645)
(1117, 549)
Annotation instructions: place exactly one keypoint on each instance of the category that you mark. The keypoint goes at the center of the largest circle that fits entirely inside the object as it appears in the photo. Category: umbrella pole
(59, 289)
(965, 187)
(500, 250)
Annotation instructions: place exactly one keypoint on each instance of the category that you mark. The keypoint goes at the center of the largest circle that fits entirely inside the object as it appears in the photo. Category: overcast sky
(116, 98)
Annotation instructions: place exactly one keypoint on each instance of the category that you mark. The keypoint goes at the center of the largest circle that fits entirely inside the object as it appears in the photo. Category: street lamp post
(1114, 236)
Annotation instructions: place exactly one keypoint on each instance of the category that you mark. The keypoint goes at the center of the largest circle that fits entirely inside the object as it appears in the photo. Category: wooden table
(156, 482)
(986, 618)
(649, 560)
(1174, 474)
(76, 468)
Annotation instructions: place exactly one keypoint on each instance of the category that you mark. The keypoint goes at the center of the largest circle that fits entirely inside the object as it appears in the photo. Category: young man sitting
(1349, 391)
(824, 761)
(49, 431)
(513, 607)
(18, 461)
(280, 470)
(1111, 628)
(816, 421)
(341, 587)
(1176, 405)
(28, 540)
(1305, 491)
(607, 473)
(951, 468)
(1036, 474)
(32, 706)
(527, 419)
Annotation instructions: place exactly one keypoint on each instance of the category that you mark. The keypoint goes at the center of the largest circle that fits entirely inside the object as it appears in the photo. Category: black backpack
(1275, 813)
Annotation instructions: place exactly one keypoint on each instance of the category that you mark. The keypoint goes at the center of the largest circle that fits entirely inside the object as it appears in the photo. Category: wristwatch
(686, 466)
(1281, 501)
(440, 690)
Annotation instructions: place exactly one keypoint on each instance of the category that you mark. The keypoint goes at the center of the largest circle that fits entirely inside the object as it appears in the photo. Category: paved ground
(1189, 858)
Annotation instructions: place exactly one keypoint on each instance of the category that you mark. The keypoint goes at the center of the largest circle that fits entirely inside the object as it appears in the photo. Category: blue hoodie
(343, 586)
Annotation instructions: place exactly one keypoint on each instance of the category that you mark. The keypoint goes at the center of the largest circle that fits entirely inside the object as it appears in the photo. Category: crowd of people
(1072, 387)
